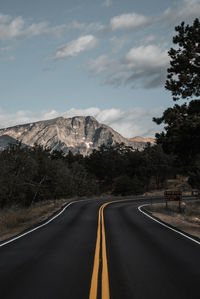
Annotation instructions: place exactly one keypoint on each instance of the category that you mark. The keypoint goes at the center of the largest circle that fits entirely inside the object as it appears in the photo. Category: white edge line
(39, 226)
(165, 225)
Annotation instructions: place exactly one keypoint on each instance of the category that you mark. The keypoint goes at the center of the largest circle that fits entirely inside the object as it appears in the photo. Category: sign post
(173, 196)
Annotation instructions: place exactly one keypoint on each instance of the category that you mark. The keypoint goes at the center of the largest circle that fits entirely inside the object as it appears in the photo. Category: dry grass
(187, 220)
(15, 220)
(190, 210)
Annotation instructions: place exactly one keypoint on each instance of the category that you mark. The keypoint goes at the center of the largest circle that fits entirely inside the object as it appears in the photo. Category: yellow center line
(94, 281)
(105, 292)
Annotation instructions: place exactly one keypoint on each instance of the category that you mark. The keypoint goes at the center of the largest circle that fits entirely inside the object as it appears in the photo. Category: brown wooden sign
(173, 195)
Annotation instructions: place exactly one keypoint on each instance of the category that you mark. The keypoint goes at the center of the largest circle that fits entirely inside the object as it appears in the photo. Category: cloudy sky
(106, 58)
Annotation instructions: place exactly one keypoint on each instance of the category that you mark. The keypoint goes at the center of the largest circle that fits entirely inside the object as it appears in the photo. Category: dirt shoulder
(15, 220)
(187, 221)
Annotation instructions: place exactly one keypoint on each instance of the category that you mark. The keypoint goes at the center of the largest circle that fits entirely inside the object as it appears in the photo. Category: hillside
(76, 134)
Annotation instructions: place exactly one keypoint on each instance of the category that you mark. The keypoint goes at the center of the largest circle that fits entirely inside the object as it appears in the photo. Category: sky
(105, 58)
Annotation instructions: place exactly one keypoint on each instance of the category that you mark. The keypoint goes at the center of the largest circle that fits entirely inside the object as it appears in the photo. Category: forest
(29, 175)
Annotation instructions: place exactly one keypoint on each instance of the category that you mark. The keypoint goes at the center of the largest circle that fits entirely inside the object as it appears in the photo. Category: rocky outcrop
(143, 140)
(77, 134)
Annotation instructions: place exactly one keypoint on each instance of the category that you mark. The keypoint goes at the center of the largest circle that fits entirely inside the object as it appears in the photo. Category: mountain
(77, 134)
(5, 140)
(143, 140)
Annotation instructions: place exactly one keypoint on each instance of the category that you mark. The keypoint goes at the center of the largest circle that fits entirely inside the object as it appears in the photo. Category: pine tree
(182, 122)
(184, 73)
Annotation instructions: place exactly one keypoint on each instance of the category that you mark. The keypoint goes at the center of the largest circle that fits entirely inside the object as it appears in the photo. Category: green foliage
(125, 185)
(182, 122)
(84, 184)
(108, 163)
(182, 136)
(111, 165)
(33, 174)
(184, 73)
(194, 173)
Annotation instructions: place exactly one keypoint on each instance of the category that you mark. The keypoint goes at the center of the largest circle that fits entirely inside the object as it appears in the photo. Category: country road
(98, 250)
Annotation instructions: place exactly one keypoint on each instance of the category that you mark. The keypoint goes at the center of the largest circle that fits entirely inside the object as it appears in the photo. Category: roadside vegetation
(15, 219)
(181, 136)
(190, 210)
(35, 182)
(187, 219)
(31, 175)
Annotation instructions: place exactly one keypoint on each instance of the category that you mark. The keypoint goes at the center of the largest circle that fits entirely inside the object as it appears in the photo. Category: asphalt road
(136, 258)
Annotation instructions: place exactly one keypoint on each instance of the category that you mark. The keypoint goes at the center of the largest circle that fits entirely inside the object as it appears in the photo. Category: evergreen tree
(182, 122)
(184, 73)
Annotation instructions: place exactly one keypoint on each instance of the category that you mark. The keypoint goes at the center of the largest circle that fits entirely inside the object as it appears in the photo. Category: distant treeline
(28, 175)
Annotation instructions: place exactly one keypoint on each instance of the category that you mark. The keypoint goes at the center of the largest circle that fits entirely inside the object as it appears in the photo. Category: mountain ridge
(143, 139)
(80, 134)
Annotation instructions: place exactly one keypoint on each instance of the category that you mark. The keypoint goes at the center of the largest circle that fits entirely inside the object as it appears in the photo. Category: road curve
(143, 258)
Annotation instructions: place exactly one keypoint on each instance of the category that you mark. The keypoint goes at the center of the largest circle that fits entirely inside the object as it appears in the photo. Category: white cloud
(16, 27)
(185, 10)
(84, 27)
(144, 66)
(103, 64)
(182, 10)
(35, 29)
(23, 116)
(129, 123)
(128, 21)
(76, 46)
(13, 28)
(150, 56)
(132, 122)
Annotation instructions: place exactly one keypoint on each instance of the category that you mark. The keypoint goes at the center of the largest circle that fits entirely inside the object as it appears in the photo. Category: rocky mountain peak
(78, 134)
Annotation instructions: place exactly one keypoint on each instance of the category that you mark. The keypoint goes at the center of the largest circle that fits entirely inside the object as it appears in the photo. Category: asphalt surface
(145, 259)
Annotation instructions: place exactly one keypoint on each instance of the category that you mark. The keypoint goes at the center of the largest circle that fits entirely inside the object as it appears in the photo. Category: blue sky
(106, 58)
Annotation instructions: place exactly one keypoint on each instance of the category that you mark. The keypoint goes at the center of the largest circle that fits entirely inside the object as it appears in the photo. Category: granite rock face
(77, 134)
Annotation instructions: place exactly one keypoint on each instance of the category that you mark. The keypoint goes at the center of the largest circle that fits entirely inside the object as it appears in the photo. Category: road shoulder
(175, 220)
(14, 222)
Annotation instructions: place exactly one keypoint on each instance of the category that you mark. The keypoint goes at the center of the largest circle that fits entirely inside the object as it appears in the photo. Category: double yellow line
(100, 244)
